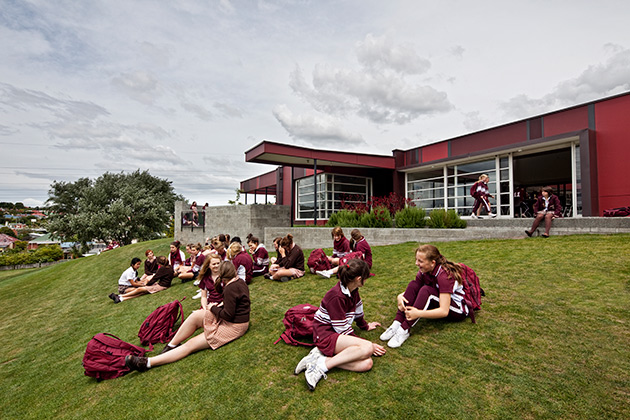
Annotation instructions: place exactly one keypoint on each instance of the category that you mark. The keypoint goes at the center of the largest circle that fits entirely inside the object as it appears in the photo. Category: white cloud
(381, 53)
(140, 86)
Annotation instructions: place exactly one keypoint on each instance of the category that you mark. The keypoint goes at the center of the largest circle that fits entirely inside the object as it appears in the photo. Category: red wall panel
(566, 121)
(435, 151)
(500, 136)
(612, 126)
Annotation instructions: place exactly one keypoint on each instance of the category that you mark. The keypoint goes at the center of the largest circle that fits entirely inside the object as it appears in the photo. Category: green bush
(411, 217)
(440, 219)
(378, 217)
(344, 218)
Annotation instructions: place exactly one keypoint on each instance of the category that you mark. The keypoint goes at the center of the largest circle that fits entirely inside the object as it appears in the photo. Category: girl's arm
(412, 313)
(204, 298)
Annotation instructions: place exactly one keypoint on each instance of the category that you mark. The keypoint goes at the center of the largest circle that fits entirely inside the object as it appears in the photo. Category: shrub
(454, 221)
(343, 218)
(411, 217)
(382, 217)
(440, 218)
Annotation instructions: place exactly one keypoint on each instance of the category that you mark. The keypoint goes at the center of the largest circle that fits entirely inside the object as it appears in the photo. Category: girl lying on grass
(335, 341)
(221, 323)
(436, 292)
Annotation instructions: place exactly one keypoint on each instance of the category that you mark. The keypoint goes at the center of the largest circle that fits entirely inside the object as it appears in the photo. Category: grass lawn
(552, 341)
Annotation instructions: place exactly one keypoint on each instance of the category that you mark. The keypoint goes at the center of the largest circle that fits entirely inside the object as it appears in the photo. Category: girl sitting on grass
(160, 281)
(221, 323)
(190, 270)
(291, 262)
(335, 340)
(436, 292)
(358, 245)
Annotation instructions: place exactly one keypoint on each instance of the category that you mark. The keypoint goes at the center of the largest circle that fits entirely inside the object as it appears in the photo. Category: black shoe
(136, 363)
(186, 280)
(168, 348)
(544, 235)
(112, 296)
(267, 276)
(284, 279)
(528, 233)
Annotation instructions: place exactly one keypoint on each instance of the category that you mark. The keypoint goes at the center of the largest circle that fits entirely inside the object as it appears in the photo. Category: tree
(7, 231)
(118, 207)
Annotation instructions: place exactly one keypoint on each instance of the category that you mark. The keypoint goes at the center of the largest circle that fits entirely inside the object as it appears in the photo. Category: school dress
(341, 247)
(207, 284)
(338, 310)
(261, 261)
(230, 321)
(244, 266)
(424, 293)
(364, 247)
(480, 193)
(161, 280)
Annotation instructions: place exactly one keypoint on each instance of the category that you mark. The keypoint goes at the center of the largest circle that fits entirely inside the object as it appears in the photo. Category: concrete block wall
(238, 220)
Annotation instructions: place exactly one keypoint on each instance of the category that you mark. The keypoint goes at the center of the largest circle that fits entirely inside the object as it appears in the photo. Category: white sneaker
(313, 375)
(196, 282)
(198, 295)
(389, 333)
(492, 215)
(474, 216)
(312, 357)
(325, 273)
(398, 339)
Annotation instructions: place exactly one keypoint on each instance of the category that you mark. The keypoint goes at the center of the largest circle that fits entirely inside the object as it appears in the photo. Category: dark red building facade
(582, 152)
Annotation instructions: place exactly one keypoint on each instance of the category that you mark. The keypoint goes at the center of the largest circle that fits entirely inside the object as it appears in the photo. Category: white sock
(121, 298)
(172, 345)
(321, 363)
(395, 325)
(149, 363)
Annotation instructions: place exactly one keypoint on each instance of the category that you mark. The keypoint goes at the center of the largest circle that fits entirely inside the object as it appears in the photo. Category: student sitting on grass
(221, 323)
(242, 261)
(129, 278)
(176, 257)
(290, 265)
(341, 245)
(150, 266)
(259, 255)
(357, 244)
(209, 275)
(436, 292)
(190, 270)
(335, 341)
(160, 281)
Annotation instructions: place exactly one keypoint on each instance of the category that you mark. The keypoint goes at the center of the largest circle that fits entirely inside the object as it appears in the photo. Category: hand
(378, 350)
(373, 325)
(282, 252)
(402, 302)
(412, 313)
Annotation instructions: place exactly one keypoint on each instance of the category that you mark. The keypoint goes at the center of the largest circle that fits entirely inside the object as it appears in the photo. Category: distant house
(42, 240)
(7, 242)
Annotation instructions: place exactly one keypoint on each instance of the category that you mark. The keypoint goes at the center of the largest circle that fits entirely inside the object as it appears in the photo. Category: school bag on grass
(298, 322)
(350, 256)
(472, 290)
(617, 212)
(318, 261)
(159, 325)
(105, 356)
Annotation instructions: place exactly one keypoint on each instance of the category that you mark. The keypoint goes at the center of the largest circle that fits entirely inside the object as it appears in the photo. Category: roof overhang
(281, 154)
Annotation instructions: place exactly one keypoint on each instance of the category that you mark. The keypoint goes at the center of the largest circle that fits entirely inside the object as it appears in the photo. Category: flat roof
(287, 155)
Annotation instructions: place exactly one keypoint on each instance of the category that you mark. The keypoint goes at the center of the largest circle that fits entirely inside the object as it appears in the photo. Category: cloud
(7, 131)
(380, 53)
(317, 129)
(596, 81)
(197, 110)
(140, 86)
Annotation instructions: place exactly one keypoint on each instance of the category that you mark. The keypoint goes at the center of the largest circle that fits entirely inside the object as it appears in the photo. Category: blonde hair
(234, 249)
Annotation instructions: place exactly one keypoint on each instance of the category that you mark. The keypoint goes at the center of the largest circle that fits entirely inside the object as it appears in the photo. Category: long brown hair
(287, 241)
(227, 272)
(433, 254)
(352, 270)
(206, 264)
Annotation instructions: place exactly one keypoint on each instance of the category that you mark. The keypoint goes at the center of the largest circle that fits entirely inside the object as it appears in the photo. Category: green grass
(552, 341)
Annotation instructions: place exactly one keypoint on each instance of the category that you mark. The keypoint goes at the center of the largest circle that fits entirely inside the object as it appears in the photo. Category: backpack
(318, 261)
(298, 322)
(159, 325)
(473, 190)
(472, 290)
(350, 256)
(617, 212)
(105, 356)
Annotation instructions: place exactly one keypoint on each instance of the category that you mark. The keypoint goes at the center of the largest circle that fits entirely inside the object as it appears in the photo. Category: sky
(182, 88)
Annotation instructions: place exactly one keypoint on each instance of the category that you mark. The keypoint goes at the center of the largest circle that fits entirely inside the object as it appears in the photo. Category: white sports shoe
(389, 333)
(313, 375)
(198, 295)
(492, 215)
(474, 216)
(312, 357)
(196, 282)
(325, 273)
(398, 339)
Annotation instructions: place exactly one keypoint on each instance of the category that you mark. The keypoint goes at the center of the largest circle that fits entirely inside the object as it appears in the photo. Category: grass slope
(550, 342)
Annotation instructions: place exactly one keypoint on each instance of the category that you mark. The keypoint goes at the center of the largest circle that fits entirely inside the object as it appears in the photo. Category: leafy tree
(118, 207)
(7, 231)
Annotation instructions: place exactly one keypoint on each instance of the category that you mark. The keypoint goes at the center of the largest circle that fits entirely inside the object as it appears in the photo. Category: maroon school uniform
(341, 247)
(363, 246)
(150, 267)
(294, 259)
(244, 266)
(424, 293)
(480, 193)
(261, 260)
(163, 276)
(551, 205)
(176, 258)
(207, 284)
(338, 310)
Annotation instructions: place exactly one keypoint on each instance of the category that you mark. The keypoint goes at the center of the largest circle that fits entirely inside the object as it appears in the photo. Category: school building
(582, 152)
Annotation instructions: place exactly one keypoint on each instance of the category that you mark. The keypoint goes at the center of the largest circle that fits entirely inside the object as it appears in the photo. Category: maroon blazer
(554, 205)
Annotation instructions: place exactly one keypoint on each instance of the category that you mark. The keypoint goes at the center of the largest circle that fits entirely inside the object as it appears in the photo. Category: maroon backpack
(617, 212)
(318, 261)
(159, 325)
(350, 256)
(105, 356)
(472, 290)
(298, 322)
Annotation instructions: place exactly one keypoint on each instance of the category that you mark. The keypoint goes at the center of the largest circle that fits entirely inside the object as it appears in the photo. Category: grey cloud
(315, 129)
(140, 86)
(597, 81)
(198, 110)
(228, 110)
(7, 131)
(380, 53)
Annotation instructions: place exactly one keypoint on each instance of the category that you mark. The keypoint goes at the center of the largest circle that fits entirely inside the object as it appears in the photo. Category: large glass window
(332, 191)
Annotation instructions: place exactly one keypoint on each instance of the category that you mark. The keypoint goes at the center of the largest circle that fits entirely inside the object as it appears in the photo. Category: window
(332, 190)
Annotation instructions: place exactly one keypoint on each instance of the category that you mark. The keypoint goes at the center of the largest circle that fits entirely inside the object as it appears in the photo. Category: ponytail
(353, 269)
